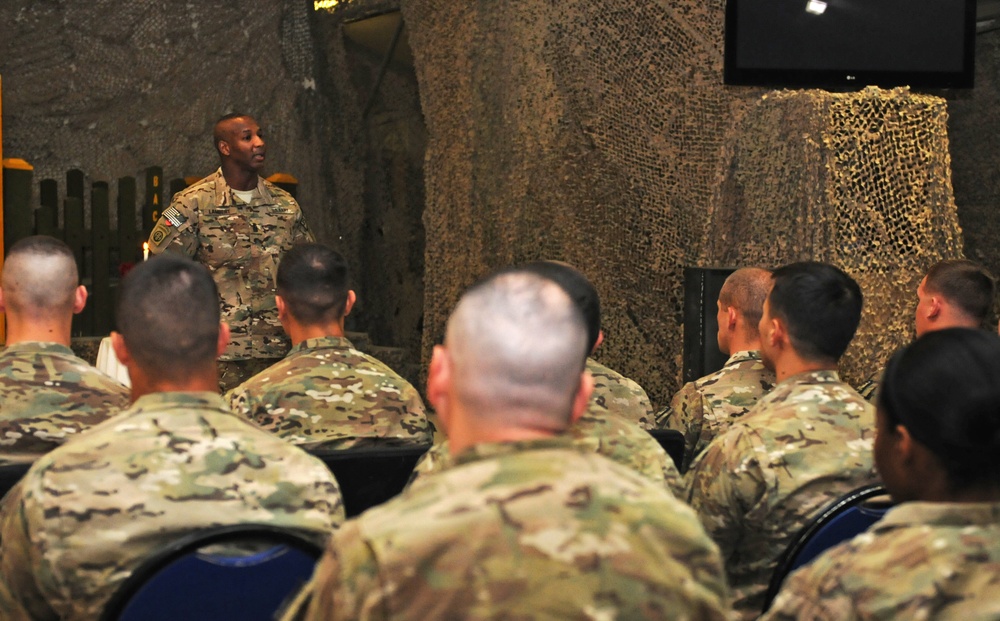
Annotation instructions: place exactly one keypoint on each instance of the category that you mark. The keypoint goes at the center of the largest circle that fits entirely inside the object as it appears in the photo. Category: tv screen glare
(850, 43)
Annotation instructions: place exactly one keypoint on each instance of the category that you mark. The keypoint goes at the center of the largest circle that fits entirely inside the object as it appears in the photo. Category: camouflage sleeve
(300, 230)
(20, 595)
(175, 231)
(240, 402)
(723, 484)
(688, 414)
(804, 596)
(346, 582)
(434, 460)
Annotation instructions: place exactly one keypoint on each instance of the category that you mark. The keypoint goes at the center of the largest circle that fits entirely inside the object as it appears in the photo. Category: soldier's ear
(439, 384)
(731, 316)
(223, 147)
(3, 305)
(582, 398)
(279, 303)
(351, 299)
(121, 351)
(79, 299)
(223, 338)
(934, 308)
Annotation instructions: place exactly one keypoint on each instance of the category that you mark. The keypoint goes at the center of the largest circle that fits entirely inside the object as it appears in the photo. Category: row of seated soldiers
(518, 512)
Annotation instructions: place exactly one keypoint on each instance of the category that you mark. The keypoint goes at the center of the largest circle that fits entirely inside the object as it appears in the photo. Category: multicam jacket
(87, 513)
(806, 443)
(241, 245)
(617, 394)
(704, 408)
(923, 560)
(49, 395)
(527, 530)
(327, 394)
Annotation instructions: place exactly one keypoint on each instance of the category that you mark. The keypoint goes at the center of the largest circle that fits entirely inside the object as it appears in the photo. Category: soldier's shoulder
(281, 196)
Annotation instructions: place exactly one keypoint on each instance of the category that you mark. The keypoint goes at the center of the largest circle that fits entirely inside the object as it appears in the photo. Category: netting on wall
(601, 134)
(860, 180)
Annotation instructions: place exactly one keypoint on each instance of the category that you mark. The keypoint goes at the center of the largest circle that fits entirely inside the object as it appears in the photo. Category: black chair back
(842, 519)
(672, 442)
(371, 476)
(187, 580)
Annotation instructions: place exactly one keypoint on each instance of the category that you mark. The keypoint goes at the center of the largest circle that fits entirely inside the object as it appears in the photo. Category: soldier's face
(246, 143)
(884, 453)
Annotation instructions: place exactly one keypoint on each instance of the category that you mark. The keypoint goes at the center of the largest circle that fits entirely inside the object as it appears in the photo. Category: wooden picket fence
(103, 254)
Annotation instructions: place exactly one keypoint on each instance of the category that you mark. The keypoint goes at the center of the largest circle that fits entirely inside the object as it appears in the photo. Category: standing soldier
(238, 225)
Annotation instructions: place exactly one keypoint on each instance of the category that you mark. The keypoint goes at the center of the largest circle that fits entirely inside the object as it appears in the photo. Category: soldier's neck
(298, 332)
(238, 178)
(198, 380)
(53, 331)
(792, 364)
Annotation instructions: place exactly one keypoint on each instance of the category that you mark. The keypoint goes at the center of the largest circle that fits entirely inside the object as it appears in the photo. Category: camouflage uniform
(617, 394)
(804, 444)
(921, 561)
(869, 389)
(327, 394)
(90, 511)
(526, 530)
(48, 395)
(241, 245)
(704, 408)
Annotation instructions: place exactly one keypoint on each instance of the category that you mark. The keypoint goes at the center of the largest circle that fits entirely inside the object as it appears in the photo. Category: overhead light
(816, 7)
(319, 5)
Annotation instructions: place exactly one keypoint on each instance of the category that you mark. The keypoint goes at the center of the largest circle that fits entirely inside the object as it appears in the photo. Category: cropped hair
(577, 287)
(517, 343)
(168, 315)
(943, 388)
(40, 276)
(313, 281)
(745, 290)
(216, 129)
(820, 306)
(964, 283)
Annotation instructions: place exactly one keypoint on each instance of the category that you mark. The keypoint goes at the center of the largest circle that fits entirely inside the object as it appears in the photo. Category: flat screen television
(845, 44)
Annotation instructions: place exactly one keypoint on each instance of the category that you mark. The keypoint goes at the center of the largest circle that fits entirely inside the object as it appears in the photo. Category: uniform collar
(224, 193)
(743, 356)
(175, 400)
(323, 342)
(492, 450)
(955, 514)
(38, 347)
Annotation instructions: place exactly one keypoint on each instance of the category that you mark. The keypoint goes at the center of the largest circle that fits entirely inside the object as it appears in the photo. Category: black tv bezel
(846, 78)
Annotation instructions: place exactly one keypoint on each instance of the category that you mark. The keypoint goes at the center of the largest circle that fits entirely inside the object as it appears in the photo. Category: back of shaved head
(40, 277)
(517, 344)
(745, 290)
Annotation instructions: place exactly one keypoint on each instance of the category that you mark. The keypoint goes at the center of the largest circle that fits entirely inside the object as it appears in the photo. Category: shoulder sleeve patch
(161, 236)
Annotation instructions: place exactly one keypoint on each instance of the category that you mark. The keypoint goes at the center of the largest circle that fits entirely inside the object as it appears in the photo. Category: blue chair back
(186, 581)
(843, 519)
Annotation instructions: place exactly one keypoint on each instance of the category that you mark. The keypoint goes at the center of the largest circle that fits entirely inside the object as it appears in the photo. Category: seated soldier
(325, 393)
(704, 408)
(936, 555)
(523, 525)
(955, 293)
(47, 393)
(805, 443)
(607, 427)
(89, 512)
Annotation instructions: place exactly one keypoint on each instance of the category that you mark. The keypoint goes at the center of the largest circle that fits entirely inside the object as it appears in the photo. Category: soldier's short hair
(168, 314)
(579, 289)
(313, 281)
(518, 346)
(40, 276)
(966, 284)
(820, 306)
(217, 133)
(943, 388)
(745, 290)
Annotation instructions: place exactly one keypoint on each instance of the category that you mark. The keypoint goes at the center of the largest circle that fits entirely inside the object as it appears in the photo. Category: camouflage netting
(597, 133)
(860, 180)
